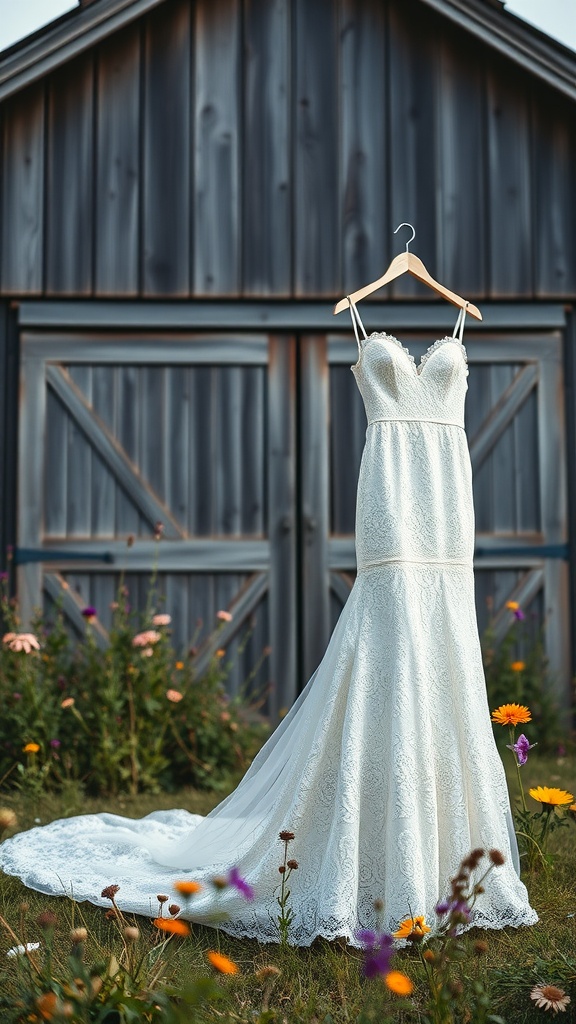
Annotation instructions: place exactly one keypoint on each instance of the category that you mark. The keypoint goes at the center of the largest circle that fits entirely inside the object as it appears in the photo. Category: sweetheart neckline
(418, 367)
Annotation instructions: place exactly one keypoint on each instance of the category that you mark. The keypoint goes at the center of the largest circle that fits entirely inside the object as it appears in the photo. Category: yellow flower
(222, 963)
(518, 666)
(511, 714)
(31, 748)
(551, 796)
(187, 888)
(512, 605)
(410, 926)
(167, 924)
(399, 983)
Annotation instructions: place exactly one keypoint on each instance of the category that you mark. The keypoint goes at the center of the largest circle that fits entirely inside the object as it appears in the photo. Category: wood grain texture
(166, 152)
(266, 149)
(22, 198)
(554, 195)
(70, 180)
(118, 166)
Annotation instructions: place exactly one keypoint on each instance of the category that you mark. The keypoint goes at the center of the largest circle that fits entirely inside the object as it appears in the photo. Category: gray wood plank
(217, 84)
(363, 145)
(265, 149)
(194, 555)
(554, 198)
(166, 223)
(229, 453)
(56, 467)
(128, 519)
(253, 433)
(510, 387)
(31, 434)
(316, 226)
(509, 207)
(152, 429)
(176, 442)
(204, 413)
(118, 166)
(413, 142)
(501, 443)
(103, 482)
(22, 193)
(79, 454)
(69, 187)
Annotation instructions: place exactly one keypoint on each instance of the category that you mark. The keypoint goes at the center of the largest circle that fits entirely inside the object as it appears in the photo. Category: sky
(19, 17)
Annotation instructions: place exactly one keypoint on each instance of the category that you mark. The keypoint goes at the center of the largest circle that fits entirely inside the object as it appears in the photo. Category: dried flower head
(162, 899)
(378, 905)
(222, 963)
(292, 864)
(78, 935)
(219, 882)
(548, 997)
(131, 933)
(174, 909)
(109, 892)
(282, 869)
(480, 947)
(286, 837)
(46, 920)
(7, 818)
(497, 857)
(267, 971)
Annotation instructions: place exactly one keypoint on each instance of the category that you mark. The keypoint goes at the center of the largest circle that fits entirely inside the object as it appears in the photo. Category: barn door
(515, 426)
(119, 432)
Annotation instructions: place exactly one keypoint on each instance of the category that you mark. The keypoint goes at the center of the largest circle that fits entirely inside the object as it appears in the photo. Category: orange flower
(179, 665)
(511, 714)
(222, 963)
(518, 666)
(68, 702)
(551, 796)
(169, 924)
(187, 888)
(220, 652)
(31, 748)
(399, 983)
(513, 606)
(46, 1005)
(412, 925)
(174, 695)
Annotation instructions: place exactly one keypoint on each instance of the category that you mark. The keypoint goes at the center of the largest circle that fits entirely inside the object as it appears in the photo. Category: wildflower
(497, 858)
(286, 837)
(7, 818)
(31, 748)
(147, 638)
(46, 1005)
(511, 714)
(187, 888)
(378, 952)
(521, 748)
(173, 909)
(55, 744)
(109, 892)
(292, 864)
(130, 540)
(551, 796)
(518, 666)
(480, 947)
(68, 702)
(224, 616)
(411, 926)
(548, 997)
(17, 696)
(174, 695)
(147, 652)
(19, 950)
(267, 971)
(167, 924)
(89, 614)
(179, 665)
(398, 983)
(158, 530)
(161, 620)
(219, 882)
(513, 606)
(222, 963)
(162, 899)
(21, 642)
(46, 920)
(240, 884)
(443, 907)
(282, 869)
(220, 652)
(131, 934)
(78, 935)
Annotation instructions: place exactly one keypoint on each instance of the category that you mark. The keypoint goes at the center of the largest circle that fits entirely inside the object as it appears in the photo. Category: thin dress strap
(356, 322)
(459, 328)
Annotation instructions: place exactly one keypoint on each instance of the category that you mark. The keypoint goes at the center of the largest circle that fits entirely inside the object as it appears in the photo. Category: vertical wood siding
(262, 147)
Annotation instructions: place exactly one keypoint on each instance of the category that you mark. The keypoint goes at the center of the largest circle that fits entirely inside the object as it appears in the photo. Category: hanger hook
(404, 224)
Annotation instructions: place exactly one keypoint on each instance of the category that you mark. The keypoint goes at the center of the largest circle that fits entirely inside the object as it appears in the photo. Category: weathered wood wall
(269, 147)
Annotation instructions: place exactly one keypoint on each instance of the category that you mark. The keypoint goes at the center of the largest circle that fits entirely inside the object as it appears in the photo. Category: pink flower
(147, 652)
(149, 636)
(174, 695)
(224, 616)
(161, 620)
(21, 642)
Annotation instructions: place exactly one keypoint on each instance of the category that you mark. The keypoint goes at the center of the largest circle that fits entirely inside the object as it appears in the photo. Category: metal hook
(405, 224)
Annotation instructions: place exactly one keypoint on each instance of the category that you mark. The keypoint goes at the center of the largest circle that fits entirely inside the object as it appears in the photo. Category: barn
(186, 188)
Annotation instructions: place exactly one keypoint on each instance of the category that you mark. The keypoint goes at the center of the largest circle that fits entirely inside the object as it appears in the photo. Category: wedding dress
(385, 768)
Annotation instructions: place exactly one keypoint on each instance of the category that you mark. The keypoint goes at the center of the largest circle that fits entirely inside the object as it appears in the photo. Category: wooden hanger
(407, 262)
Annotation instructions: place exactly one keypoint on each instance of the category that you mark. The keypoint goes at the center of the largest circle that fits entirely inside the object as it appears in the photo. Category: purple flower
(55, 744)
(3, 575)
(17, 696)
(442, 908)
(519, 614)
(521, 748)
(89, 613)
(378, 950)
(239, 883)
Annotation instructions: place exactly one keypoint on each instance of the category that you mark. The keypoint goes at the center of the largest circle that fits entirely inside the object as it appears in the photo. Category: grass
(323, 984)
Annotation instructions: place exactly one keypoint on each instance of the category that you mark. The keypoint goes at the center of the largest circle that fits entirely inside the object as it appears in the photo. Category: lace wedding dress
(385, 768)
